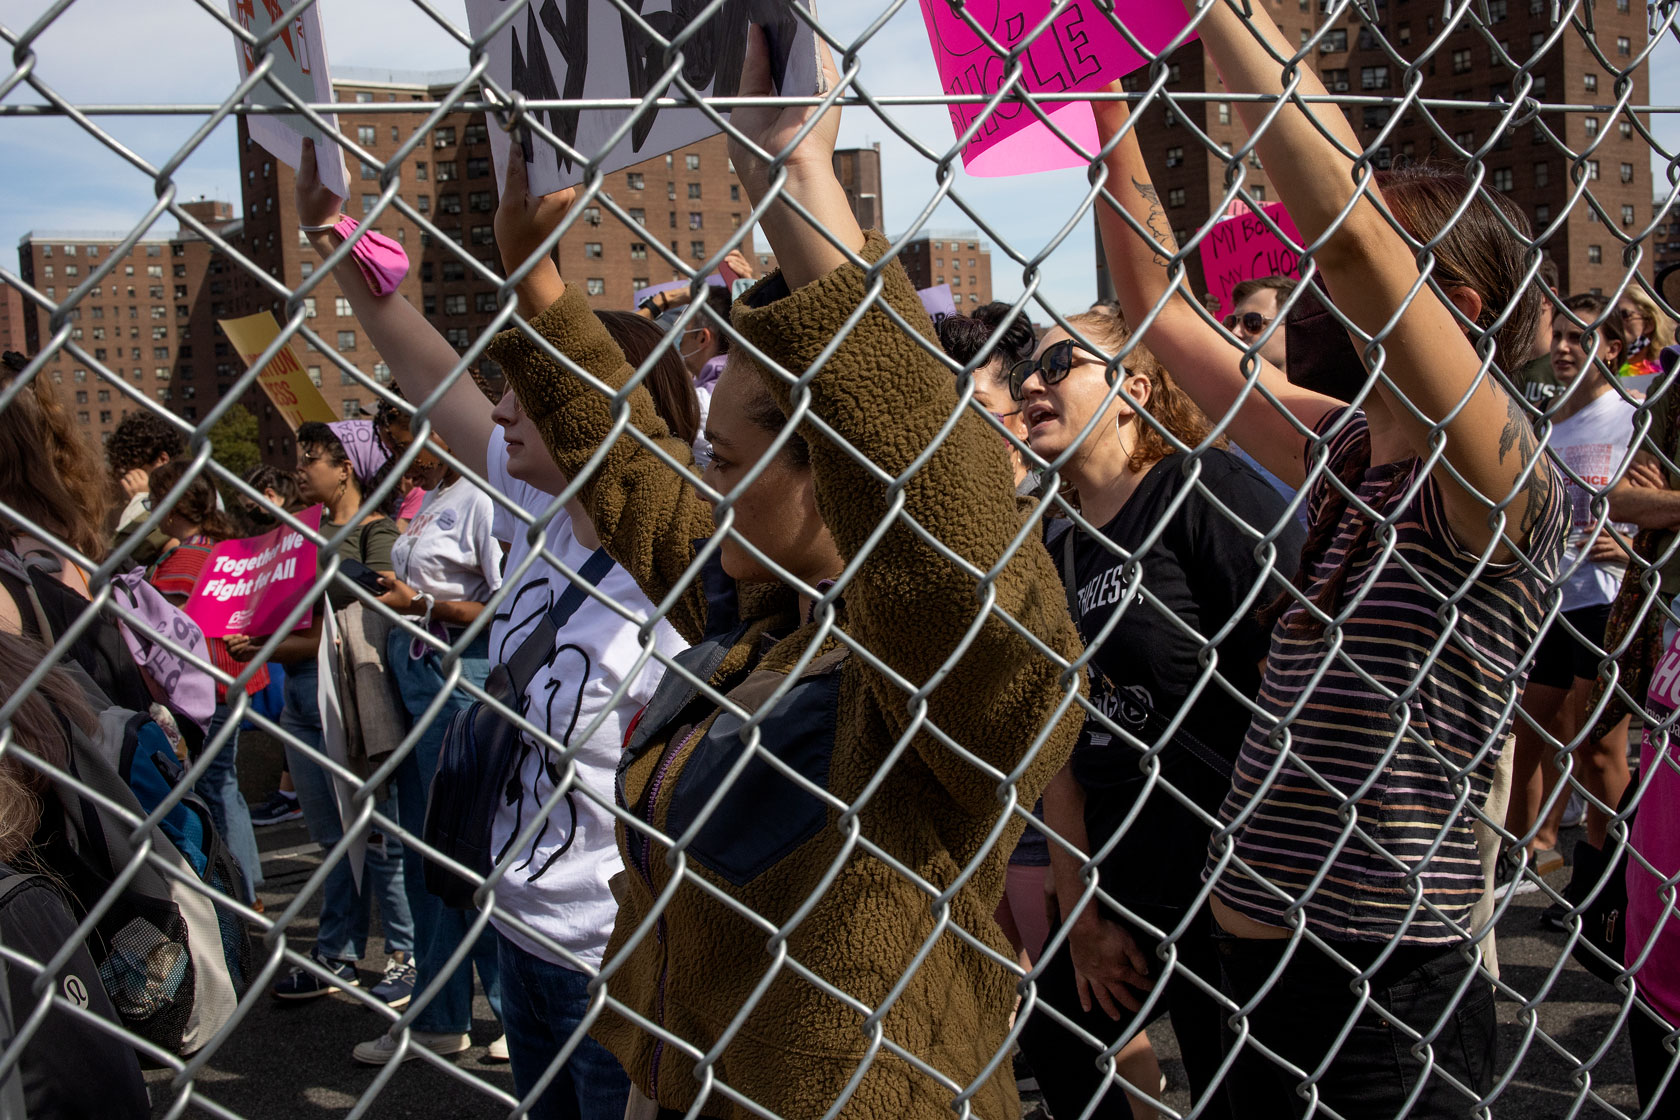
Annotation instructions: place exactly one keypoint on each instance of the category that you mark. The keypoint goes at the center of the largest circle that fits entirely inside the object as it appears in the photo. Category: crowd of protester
(1320, 651)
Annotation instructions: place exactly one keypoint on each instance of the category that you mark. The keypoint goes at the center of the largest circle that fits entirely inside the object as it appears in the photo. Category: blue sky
(171, 51)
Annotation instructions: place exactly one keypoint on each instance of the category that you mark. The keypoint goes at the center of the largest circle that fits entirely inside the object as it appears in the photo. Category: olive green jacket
(866, 885)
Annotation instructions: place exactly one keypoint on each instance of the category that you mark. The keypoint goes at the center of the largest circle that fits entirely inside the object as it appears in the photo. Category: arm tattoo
(1157, 219)
(1518, 433)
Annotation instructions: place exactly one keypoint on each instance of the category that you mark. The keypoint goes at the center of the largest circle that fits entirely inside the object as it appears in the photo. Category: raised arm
(1210, 365)
(885, 395)
(420, 358)
(1371, 271)
(646, 514)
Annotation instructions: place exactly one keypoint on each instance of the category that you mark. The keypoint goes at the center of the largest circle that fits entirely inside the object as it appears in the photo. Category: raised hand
(523, 220)
(316, 205)
(773, 128)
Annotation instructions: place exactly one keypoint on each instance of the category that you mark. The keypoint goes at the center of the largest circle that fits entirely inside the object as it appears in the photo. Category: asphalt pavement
(291, 1061)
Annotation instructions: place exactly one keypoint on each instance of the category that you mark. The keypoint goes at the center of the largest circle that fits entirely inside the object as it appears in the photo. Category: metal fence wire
(819, 807)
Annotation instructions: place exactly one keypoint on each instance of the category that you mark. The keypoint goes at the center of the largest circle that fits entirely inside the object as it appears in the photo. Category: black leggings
(1066, 1066)
(1650, 1064)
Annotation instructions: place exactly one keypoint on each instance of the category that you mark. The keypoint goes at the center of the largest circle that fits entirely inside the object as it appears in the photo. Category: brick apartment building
(955, 257)
(169, 292)
(12, 330)
(1525, 164)
(150, 322)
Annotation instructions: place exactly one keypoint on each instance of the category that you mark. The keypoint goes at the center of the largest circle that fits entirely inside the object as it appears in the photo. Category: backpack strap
(538, 645)
(12, 882)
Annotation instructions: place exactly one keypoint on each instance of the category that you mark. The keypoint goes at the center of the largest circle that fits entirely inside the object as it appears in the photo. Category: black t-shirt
(1196, 574)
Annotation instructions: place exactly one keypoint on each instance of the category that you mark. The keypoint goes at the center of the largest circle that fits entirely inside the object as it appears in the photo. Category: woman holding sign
(1346, 846)
(810, 895)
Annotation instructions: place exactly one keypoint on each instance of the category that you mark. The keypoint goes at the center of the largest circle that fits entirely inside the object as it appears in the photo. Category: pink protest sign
(1080, 51)
(1242, 248)
(248, 586)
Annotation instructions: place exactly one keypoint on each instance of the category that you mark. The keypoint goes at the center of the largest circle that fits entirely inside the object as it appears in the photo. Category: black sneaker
(1555, 917)
(1508, 880)
(278, 809)
(301, 983)
(398, 986)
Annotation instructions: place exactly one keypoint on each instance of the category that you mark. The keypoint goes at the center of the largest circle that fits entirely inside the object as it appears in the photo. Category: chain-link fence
(816, 801)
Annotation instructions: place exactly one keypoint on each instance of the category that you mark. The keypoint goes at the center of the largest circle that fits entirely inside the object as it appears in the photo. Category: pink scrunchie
(382, 261)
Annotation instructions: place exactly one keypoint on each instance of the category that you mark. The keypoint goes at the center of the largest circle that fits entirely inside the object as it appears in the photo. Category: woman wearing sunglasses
(1163, 568)
(1435, 531)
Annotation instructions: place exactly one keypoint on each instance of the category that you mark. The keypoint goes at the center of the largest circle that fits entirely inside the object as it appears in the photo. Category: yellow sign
(283, 379)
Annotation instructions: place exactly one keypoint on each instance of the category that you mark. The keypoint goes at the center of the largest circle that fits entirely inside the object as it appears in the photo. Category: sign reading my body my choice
(569, 49)
(250, 585)
(1242, 248)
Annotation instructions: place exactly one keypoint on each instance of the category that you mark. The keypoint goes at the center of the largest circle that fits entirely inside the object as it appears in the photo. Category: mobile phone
(359, 573)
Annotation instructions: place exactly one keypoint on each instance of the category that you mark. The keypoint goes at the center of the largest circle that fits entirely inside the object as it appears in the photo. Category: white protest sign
(300, 64)
(583, 49)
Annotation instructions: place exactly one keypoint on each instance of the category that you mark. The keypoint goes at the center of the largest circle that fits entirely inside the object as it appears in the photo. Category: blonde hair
(49, 472)
(1662, 331)
(1169, 405)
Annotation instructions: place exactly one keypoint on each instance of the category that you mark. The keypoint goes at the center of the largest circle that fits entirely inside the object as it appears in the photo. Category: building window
(483, 235)
(1496, 11)
(478, 167)
(1542, 173)
(445, 170)
(454, 270)
(638, 250)
(1461, 61)
(1336, 81)
(481, 202)
(1504, 179)
(1623, 46)
(449, 204)
(633, 180)
(670, 192)
(365, 135)
(1591, 125)
(1595, 254)
(1333, 41)
(1625, 128)
(592, 250)
(485, 302)
(1590, 81)
(1627, 172)
(595, 286)
(421, 172)
(638, 216)
(693, 162)
(637, 283)
(368, 201)
(346, 341)
(695, 220)
(697, 250)
(1627, 215)
(455, 305)
(1373, 77)
(592, 215)
(458, 337)
(1592, 169)
(1175, 197)
(423, 203)
(306, 267)
(694, 190)
(734, 192)
(1175, 157)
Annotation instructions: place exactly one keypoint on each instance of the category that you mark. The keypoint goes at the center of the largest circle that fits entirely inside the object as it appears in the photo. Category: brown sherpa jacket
(928, 805)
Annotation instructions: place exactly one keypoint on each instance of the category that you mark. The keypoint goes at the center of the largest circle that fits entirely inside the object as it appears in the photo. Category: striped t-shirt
(1364, 781)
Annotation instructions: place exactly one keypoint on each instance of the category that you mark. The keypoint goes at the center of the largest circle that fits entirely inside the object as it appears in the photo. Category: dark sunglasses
(1252, 321)
(1053, 365)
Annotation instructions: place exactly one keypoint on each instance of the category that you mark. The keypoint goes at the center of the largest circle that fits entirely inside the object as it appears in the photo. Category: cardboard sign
(1080, 51)
(569, 49)
(938, 301)
(250, 585)
(284, 379)
(1242, 248)
(300, 65)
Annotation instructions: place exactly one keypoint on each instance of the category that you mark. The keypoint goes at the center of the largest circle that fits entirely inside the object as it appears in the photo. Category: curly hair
(49, 472)
(963, 336)
(1169, 406)
(42, 726)
(139, 440)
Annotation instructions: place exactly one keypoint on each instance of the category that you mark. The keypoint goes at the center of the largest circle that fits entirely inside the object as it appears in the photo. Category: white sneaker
(1575, 812)
(381, 1050)
(497, 1051)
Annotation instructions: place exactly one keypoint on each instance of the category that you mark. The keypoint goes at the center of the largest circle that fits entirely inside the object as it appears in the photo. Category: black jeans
(1650, 1065)
(1065, 1066)
(1372, 1072)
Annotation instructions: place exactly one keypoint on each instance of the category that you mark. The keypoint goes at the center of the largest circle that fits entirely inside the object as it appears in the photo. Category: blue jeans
(345, 912)
(542, 1005)
(438, 930)
(219, 786)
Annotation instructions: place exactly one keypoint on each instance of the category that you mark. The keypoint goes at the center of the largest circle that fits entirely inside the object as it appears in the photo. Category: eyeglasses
(1053, 365)
(1251, 321)
(1631, 313)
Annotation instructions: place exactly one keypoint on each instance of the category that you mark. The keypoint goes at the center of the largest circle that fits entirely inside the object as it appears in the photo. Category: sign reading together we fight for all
(250, 585)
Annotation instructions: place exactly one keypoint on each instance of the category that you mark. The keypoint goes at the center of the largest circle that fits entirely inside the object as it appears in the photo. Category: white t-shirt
(449, 550)
(568, 900)
(1592, 444)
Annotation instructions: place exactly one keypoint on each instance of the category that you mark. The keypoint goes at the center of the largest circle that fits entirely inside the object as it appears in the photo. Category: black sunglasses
(1252, 321)
(1053, 365)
